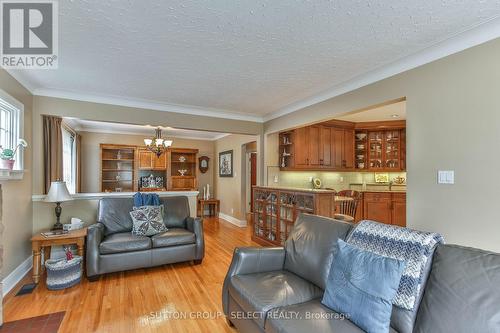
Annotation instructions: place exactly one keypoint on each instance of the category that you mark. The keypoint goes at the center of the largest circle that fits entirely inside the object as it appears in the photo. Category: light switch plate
(446, 177)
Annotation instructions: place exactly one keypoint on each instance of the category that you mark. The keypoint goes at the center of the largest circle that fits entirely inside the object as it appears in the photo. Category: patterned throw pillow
(148, 221)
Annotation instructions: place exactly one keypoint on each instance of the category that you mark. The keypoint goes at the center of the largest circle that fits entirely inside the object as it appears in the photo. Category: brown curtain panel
(52, 150)
(78, 145)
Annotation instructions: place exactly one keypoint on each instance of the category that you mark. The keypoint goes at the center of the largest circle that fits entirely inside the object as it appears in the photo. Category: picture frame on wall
(226, 163)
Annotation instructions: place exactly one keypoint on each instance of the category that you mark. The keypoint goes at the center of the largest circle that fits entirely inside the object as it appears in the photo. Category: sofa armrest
(196, 225)
(95, 235)
(247, 260)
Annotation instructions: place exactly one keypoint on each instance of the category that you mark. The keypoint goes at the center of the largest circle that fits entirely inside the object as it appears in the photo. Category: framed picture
(226, 163)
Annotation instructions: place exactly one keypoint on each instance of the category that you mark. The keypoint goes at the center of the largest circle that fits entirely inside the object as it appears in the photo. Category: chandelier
(157, 144)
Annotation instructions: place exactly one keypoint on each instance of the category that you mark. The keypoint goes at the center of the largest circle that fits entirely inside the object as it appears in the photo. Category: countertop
(321, 190)
(296, 189)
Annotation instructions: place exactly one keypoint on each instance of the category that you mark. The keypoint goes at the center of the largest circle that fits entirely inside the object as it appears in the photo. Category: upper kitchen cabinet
(327, 146)
(380, 146)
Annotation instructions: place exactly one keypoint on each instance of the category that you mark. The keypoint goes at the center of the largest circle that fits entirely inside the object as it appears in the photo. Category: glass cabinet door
(392, 150)
(259, 218)
(287, 200)
(375, 143)
(271, 216)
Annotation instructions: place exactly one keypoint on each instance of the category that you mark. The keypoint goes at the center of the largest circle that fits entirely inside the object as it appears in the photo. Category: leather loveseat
(111, 246)
(279, 290)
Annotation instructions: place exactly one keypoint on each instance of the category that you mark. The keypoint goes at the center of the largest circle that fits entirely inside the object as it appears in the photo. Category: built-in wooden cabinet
(275, 211)
(318, 147)
(345, 146)
(118, 168)
(183, 170)
(126, 168)
(389, 208)
(150, 161)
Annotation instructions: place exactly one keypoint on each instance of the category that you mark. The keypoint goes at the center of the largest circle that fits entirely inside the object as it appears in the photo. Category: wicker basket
(62, 273)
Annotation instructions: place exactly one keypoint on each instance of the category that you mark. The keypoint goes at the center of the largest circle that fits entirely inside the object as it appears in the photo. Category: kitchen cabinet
(389, 208)
(381, 146)
(343, 148)
(318, 147)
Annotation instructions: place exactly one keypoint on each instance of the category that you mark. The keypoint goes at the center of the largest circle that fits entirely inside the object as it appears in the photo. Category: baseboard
(11, 280)
(233, 220)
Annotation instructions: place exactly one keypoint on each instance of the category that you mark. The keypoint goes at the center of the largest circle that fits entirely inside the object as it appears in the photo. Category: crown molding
(145, 104)
(114, 131)
(474, 36)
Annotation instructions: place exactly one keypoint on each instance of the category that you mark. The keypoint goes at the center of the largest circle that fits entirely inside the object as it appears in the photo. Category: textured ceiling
(252, 57)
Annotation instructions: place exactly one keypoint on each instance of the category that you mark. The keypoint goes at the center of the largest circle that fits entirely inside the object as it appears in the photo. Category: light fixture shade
(148, 142)
(58, 192)
(168, 143)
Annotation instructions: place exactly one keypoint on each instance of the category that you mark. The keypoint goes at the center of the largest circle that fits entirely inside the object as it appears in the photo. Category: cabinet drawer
(374, 196)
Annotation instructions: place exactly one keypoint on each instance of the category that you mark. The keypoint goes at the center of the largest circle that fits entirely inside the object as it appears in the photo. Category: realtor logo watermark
(29, 37)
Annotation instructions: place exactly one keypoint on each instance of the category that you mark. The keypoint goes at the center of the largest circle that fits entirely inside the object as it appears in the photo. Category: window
(11, 125)
(69, 158)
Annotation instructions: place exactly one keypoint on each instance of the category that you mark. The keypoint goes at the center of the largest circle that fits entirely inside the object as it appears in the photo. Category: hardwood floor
(144, 300)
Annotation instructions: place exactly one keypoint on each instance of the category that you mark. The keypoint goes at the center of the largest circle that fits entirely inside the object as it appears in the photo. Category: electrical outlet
(341, 179)
(276, 179)
(310, 179)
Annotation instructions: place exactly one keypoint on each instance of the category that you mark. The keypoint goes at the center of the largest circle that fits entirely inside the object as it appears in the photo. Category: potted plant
(7, 155)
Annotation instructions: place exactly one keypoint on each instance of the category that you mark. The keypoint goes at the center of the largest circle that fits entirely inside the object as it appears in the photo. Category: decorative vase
(208, 192)
(7, 164)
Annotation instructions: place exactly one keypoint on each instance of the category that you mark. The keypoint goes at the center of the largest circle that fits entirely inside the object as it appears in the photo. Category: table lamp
(58, 193)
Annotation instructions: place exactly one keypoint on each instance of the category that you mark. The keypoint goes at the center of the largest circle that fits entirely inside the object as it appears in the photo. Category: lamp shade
(58, 192)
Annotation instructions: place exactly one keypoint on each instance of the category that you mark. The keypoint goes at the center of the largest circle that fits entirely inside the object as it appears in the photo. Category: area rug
(42, 324)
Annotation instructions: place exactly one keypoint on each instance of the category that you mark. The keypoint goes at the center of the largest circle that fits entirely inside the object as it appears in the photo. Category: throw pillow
(362, 285)
(147, 221)
(143, 207)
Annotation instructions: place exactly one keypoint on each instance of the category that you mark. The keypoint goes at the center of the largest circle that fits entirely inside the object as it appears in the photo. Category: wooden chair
(347, 208)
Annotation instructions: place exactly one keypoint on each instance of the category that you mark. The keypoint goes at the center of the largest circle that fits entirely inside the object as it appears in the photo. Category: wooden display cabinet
(149, 161)
(275, 211)
(182, 159)
(118, 168)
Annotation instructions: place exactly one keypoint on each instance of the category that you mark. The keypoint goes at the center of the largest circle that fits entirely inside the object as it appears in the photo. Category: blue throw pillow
(362, 285)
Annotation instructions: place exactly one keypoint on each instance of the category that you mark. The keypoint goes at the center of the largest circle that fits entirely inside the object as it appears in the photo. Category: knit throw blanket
(412, 246)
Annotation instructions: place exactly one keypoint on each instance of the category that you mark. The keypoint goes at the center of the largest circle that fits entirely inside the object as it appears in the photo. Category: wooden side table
(212, 204)
(39, 242)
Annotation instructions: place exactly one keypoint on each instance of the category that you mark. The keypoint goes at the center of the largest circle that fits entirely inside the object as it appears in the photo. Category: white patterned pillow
(148, 221)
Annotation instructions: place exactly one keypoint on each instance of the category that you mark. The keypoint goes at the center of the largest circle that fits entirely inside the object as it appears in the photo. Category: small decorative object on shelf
(7, 156)
(119, 155)
(182, 171)
(182, 158)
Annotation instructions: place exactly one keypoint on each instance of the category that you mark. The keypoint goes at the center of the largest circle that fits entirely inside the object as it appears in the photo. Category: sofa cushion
(114, 214)
(260, 292)
(311, 246)
(311, 317)
(176, 211)
(124, 242)
(462, 293)
(173, 237)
